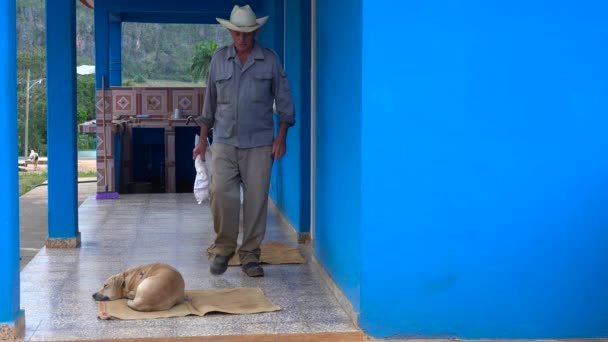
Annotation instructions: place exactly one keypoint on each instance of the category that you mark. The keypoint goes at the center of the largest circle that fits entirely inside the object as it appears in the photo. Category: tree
(35, 62)
(201, 58)
(85, 96)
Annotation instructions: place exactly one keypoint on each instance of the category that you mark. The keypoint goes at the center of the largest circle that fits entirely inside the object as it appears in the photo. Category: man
(244, 80)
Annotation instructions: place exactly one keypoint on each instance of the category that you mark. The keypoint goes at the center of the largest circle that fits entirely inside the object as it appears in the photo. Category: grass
(87, 173)
(27, 181)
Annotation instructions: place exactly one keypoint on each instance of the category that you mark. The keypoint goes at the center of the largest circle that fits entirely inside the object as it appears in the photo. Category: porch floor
(56, 286)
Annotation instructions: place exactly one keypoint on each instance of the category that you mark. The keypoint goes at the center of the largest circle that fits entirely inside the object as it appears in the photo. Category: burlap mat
(198, 302)
(274, 253)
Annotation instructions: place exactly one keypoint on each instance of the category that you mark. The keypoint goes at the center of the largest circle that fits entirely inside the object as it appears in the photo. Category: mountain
(151, 51)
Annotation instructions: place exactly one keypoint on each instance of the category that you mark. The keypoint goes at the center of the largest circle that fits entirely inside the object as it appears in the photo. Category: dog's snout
(98, 296)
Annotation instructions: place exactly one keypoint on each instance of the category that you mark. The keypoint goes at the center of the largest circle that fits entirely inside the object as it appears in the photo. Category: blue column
(290, 189)
(61, 123)
(9, 197)
(115, 53)
(102, 48)
(272, 34)
(303, 113)
(337, 241)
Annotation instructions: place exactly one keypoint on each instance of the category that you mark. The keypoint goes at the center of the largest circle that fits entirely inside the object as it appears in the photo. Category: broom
(106, 194)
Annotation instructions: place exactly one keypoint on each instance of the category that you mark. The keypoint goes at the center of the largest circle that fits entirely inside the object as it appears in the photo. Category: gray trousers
(230, 166)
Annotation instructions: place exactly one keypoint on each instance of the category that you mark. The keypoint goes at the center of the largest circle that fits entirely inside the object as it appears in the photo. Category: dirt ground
(83, 166)
(87, 165)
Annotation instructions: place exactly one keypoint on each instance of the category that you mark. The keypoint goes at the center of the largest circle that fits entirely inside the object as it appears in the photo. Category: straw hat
(242, 19)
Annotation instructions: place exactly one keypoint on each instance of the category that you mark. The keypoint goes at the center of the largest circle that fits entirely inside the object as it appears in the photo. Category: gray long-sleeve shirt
(239, 98)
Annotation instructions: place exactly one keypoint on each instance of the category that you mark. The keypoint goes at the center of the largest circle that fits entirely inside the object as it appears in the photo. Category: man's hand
(199, 149)
(278, 148)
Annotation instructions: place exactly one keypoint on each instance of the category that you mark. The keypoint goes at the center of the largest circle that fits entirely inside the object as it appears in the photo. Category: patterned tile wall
(123, 102)
(186, 101)
(156, 102)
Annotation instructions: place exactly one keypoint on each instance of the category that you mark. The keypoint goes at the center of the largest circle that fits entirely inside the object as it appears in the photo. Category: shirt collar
(257, 51)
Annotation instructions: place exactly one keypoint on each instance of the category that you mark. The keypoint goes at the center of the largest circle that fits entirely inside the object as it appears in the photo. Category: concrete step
(262, 337)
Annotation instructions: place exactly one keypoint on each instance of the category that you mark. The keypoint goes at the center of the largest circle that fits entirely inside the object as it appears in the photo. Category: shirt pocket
(222, 86)
(262, 87)
(224, 127)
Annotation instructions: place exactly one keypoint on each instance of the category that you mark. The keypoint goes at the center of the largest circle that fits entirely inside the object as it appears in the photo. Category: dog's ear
(119, 282)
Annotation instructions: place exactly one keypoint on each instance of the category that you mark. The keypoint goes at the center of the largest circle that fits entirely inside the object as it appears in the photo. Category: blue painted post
(304, 114)
(102, 48)
(115, 53)
(290, 189)
(61, 124)
(11, 317)
(279, 29)
(337, 239)
(271, 35)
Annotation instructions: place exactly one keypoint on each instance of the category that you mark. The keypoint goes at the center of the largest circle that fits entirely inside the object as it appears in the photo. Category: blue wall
(290, 188)
(484, 168)
(338, 146)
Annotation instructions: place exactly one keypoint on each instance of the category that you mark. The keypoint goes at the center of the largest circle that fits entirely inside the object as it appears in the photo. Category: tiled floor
(56, 286)
(33, 218)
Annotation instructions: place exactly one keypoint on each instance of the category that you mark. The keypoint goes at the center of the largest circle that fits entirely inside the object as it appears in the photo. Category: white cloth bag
(201, 182)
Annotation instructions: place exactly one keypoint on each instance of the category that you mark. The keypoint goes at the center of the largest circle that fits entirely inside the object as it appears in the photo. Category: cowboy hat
(242, 19)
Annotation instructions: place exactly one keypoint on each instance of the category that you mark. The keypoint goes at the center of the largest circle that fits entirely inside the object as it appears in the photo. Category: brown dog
(151, 287)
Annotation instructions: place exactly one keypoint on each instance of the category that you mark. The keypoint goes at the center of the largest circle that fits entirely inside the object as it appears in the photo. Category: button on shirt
(238, 102)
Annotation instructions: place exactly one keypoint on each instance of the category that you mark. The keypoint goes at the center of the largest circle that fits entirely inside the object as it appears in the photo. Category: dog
(34, 159)
(150, 287)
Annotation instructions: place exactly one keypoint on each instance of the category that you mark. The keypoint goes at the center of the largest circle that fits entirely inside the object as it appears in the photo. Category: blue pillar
(290, 189)
(338, 243)
(115, 53)
(61, 123)
(272, 34)
(11, 317)
(102, 47)
(303, 113)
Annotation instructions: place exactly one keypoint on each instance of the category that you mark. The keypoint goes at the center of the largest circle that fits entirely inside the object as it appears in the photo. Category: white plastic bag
(201, 182)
